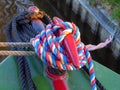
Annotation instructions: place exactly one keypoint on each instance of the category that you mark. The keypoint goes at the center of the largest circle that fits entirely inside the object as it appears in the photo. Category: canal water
(10, 7)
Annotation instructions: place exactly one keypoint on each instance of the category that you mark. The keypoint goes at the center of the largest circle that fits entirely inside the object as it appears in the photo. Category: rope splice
(48, 41)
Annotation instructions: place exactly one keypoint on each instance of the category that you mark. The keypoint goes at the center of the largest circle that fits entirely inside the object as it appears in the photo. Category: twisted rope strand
(22, 76)
(30, 82)
(14, 44)
(101, 87)
(17, 53)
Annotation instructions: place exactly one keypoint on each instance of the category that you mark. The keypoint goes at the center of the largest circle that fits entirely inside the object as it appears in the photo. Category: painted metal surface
(77, 80)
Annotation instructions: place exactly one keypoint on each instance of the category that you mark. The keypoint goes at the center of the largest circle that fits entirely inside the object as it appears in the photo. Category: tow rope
(49, 48)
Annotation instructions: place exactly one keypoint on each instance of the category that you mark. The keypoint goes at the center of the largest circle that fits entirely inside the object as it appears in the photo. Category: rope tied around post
(48, 46)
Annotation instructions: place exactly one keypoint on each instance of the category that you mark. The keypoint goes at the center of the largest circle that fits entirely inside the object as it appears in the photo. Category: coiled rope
(46, 42)
(19, 29)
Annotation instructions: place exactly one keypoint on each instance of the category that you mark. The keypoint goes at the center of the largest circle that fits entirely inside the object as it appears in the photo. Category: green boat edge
(77, 80)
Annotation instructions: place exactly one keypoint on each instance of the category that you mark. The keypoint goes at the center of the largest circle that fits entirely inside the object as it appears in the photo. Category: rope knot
(48, 47)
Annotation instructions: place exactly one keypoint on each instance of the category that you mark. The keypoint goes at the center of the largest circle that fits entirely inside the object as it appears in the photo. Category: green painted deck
(77, 80)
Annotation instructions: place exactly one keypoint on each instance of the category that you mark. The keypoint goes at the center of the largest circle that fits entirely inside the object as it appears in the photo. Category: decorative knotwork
(49, 48)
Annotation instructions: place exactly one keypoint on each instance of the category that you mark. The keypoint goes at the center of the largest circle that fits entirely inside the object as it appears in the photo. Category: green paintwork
(77, 80)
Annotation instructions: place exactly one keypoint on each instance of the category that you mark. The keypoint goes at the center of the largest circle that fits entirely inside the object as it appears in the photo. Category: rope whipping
(46, 42)
(20, 29)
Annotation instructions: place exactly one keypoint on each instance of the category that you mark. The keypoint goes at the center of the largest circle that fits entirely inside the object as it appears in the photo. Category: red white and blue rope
(49, 48)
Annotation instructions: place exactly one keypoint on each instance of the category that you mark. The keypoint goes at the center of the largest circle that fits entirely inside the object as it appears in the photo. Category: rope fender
(49, 48)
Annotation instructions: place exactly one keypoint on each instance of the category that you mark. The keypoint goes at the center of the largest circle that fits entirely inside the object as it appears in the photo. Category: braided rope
(46, 42)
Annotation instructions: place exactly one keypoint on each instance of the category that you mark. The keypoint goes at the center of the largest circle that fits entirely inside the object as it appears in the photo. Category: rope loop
(67, 28)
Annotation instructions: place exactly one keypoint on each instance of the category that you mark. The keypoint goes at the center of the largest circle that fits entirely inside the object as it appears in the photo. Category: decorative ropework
(50, 46)
(54, 38)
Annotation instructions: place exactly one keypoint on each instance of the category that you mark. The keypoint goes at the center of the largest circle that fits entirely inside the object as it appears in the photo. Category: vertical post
(58, 78)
